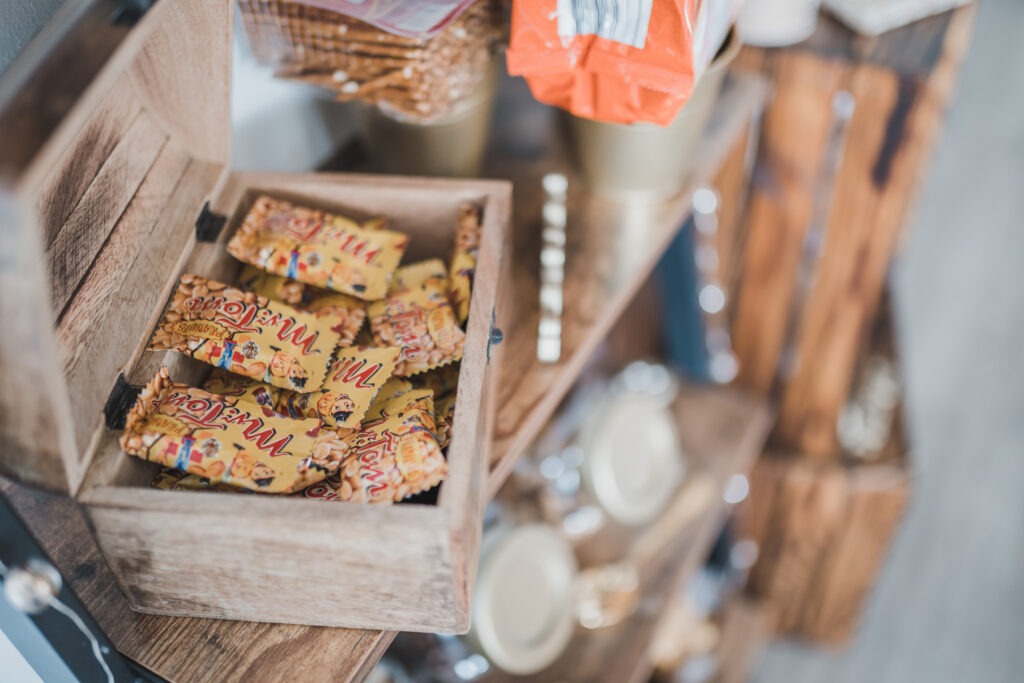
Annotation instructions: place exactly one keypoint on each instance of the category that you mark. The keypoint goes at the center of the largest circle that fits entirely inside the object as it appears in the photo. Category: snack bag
(345, 314)
(393, 456)
(396, 386)
(444, 414)
(422, 324)
(274, 287)
(242, 444)
(627, 61)
(463, 268)
(318, 248)
(245, 333)
(239, 388)
(355, 377)
(418, 274)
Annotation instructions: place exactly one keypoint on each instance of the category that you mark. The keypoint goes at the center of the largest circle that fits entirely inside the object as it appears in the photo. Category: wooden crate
(104, 199)
(823, 530)
(801, 342)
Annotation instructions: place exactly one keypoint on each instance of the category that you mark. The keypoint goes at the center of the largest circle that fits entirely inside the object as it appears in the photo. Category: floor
(950, 603)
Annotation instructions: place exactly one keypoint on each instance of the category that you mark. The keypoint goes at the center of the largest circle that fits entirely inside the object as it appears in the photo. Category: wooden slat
(876, 187)
(81, 161)
(122, 293)
(780, 203)
(72, 250)
(878, 497)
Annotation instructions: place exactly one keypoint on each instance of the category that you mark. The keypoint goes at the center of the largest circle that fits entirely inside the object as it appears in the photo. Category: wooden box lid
(108, 132)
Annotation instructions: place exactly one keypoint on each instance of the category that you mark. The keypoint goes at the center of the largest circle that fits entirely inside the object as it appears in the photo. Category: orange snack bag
(615, 65)
(245, 333)
(318, 248)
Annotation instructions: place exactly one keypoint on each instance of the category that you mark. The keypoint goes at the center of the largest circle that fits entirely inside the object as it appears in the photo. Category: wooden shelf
(611, 251)
(723, 431)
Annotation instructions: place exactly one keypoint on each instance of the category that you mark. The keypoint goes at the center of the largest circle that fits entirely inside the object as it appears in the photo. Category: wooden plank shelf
(611, 251)
(723, 431)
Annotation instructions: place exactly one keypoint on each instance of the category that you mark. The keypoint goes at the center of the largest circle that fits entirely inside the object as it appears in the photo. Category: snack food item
(169, 479)
(241, 444)
(239, 388)
(274, 287)
(393, 456)
(444, 414)
(422, 323)
(463, 268)
(396, 386)
(345, 313)
(418, 274)
(245, 333)
(318, 248)
(352, 382)
(413, 78)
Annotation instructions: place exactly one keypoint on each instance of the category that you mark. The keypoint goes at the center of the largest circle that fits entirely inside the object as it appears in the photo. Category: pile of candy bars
(306, 398)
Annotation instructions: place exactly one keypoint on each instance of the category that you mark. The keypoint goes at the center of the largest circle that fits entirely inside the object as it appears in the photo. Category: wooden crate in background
(900, 83)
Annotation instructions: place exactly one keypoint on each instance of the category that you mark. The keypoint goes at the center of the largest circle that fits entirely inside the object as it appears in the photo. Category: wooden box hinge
(209, 224)
(122, 398)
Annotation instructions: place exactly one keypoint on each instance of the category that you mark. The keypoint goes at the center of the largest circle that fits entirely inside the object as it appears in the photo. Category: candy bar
(416, 275)
(344, 313)
(246, 334)
(352, 382)
(318, 248)
(240, 444)
(422, 324)
(463, 268)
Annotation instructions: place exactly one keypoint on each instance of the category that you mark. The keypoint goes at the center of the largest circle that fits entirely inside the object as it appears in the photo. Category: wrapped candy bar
(420, 322)
(169, 479)
(463, 268)
(415, 275)
(246, 334)
(274, 287)
(240, 444)
(355, 377)
(318, 248)
(239, 388)
(396, 386)
(394, 455)
(444, 412)
(345, 313)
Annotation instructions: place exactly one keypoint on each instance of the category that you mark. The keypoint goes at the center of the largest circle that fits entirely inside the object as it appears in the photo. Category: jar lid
(633, 462)
(523, 607)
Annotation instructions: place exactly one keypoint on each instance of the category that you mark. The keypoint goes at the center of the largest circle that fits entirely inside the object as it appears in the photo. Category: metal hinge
(209, 224)
(122, 398)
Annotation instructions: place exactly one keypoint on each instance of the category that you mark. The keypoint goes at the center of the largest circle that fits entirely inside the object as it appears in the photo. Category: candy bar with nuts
(246, 333)
(319, 248)
(240, 444)
(463, 268)
(420, 322)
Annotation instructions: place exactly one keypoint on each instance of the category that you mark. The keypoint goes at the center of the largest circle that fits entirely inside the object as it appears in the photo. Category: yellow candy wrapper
(239, 388)
(463, 267)
(444, 413)
(172, 480)
(394, 455)
(246, 333)
(355, 377)
(422, 324)
(274, 287)
(396, 386)
(242, 444)
(345, 313)
(415, 275)
(318, 248)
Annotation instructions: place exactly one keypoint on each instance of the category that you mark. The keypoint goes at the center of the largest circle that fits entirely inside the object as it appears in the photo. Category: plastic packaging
(625, 61)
